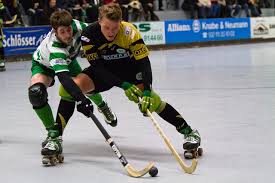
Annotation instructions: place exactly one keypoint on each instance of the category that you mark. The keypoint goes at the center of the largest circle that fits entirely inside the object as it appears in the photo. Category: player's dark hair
(61, 18)
(111, 11)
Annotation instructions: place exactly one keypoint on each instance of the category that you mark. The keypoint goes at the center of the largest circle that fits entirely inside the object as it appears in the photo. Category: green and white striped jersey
(56, 55)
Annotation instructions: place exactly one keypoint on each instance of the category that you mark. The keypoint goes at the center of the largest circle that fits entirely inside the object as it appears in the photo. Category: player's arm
(140, 53)
(145, 67)
(59, 64)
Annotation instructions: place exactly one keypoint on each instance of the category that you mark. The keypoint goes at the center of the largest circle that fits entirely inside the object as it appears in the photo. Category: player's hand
(85, 106)
(132, 92)
(147, 102)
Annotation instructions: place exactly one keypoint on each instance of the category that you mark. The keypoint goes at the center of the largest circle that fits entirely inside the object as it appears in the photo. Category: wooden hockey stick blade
(135, 173)
(187, 169)
(131, 171)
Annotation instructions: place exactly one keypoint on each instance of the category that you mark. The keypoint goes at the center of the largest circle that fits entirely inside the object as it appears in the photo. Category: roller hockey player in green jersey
(2, 63)
(118, 57)
(56, 55)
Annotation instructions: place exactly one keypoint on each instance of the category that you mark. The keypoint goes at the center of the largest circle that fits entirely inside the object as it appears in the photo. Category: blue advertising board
(23, 40)
(186, 31)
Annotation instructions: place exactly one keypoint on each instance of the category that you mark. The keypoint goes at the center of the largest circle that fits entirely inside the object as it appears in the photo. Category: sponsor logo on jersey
(119, 50)
(139, 76)
(91, 56)
(84, 38)
(58, 61)
(127, 30)
(116, 56)
(141, 51)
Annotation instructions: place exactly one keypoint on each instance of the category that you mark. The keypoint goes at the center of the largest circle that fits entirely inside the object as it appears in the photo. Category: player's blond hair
(61, 18)
(110, 11)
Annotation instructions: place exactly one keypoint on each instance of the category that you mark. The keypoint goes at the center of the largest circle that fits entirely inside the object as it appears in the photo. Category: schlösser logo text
(17, 40)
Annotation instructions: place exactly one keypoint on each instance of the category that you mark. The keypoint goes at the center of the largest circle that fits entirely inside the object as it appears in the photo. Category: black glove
(85, 106)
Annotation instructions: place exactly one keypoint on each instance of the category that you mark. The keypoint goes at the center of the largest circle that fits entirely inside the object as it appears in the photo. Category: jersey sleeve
(137, 45)
(78, 26)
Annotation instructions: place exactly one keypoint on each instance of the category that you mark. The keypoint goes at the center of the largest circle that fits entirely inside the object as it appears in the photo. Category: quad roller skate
(191, 145)
(52, 152)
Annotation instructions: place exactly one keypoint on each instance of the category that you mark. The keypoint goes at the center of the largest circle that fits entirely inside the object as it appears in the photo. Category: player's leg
(86, 84)
(41, 79)
(109, 116)
(191, 136)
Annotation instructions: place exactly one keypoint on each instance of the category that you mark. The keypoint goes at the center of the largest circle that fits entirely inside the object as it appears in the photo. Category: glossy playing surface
(226, 92)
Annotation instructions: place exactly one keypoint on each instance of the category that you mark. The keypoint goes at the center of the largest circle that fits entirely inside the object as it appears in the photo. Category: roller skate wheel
(45, 161)
(200, 151)
(53, 161)
(195, 154)
(188, 155)
(60, 158)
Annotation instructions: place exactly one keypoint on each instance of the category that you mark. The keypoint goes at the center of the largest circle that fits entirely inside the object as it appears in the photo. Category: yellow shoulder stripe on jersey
(102, 46)
(87, 47)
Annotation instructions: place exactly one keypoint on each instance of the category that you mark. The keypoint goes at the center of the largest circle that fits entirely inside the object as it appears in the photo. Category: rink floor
(226, 92)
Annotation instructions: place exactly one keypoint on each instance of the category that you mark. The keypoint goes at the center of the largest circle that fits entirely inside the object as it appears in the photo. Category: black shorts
(103, 83)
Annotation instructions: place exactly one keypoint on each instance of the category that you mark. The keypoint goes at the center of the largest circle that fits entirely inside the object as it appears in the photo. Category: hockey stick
(130, 170)
(187, 169)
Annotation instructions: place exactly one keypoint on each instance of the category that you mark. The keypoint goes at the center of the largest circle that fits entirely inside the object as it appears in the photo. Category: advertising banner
(23, 40)
(152, 32)
(185, 31)
(262, 27)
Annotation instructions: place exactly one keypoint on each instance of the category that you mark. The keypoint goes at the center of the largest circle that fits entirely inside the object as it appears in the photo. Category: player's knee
(38, 95)
(64, 94)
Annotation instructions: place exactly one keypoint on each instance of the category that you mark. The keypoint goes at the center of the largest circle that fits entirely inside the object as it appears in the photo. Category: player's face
(64, 34)
(109, 28)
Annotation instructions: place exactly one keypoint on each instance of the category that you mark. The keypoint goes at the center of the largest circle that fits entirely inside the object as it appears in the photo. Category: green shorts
(74, 69)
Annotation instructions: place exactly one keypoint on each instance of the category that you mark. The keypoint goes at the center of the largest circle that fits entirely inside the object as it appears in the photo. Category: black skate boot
(109, 116)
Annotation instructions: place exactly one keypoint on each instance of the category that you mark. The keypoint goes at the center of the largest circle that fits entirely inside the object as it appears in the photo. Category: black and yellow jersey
(124, 57)
(128, 44)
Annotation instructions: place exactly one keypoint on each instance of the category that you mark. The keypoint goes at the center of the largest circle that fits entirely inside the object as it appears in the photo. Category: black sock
(64, 113)
(172, 116)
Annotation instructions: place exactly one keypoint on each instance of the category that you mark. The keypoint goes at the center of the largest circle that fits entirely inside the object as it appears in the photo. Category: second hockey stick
(187, 169)
(130, 170)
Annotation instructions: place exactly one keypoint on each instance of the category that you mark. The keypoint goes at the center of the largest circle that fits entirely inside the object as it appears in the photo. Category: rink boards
(24, 40)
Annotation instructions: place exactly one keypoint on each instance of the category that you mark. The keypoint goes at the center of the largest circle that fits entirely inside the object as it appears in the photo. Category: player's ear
(55, 30)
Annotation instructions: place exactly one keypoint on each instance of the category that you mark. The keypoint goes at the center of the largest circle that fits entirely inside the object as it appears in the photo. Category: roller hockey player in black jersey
(118, 57)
